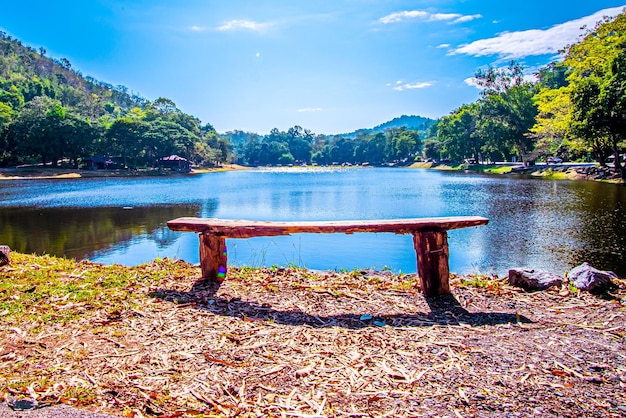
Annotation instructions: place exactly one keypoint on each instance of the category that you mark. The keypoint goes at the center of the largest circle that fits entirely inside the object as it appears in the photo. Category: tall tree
(598, 82)
(457, 133)
(507, 111)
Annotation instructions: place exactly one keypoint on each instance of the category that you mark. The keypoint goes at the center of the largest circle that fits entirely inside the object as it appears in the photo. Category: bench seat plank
(233, 228)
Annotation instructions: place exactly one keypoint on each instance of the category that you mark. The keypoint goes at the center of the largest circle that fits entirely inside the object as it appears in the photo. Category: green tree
(457, 134)
(598, 87)
(403, 144)
(507, 110)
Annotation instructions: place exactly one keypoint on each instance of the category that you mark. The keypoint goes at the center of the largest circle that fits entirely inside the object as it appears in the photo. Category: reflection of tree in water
(558, 224)
(163, 236)
(79, 232)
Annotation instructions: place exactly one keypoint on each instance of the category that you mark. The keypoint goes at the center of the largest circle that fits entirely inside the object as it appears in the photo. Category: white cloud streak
(514, 45)
(411, 86)
(310, 109)
(426, 16)
(243, 25)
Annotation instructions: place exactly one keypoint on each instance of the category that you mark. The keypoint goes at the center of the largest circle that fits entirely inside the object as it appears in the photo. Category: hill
(51, 114)
(412, 122)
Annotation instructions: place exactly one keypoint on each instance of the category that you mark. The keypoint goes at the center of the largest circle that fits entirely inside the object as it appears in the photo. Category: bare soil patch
(296, 343)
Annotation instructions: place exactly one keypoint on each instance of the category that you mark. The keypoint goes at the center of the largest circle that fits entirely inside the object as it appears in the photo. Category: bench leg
(213, 257)
(432, 252)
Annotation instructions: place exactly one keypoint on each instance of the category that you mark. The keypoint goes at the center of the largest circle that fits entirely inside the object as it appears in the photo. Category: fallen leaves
(153, 340)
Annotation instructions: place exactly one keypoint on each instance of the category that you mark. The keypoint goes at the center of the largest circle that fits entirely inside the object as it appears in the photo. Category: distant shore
(38, 172)
(566, 171)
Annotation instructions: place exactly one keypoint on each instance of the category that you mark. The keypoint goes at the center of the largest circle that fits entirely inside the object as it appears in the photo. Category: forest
(574, 109)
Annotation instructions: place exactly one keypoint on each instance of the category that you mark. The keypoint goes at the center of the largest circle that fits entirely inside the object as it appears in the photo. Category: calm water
(550, 225)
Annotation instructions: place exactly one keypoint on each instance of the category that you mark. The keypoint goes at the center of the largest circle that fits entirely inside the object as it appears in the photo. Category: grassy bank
(476, 168)
(549, 172)
(154, 340)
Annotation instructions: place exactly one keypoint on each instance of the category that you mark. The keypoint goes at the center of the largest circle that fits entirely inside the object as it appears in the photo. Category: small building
(175, 163)
(100, 162)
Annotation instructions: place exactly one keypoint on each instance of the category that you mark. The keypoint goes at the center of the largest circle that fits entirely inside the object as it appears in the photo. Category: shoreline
(584, 172)
(548, 172)
(44, 173)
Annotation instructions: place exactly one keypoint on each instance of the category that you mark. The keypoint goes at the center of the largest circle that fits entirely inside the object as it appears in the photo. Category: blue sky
(331, 66)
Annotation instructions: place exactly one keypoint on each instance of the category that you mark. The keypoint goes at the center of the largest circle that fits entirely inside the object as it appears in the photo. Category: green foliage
(577, 107)
(497, 125)
(300, 146)
(598, 88)
(49, 113)
(457, 134)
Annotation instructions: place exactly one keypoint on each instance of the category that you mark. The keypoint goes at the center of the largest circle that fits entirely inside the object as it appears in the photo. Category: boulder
(4, 254)
(585, 277)
(531, 279)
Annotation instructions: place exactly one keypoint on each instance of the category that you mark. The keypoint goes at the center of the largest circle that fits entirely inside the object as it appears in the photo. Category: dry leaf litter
(287, 342)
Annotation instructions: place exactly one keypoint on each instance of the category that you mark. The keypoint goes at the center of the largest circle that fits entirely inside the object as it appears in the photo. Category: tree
(598, 87)
(123, 138)
(507, 111)
(457, 134)
(403, 144)
(300, 143)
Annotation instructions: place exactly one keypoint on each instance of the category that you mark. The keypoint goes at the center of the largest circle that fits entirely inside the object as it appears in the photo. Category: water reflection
(82, 232)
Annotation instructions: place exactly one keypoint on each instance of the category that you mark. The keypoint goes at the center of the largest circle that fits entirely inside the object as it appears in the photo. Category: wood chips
(295, 343)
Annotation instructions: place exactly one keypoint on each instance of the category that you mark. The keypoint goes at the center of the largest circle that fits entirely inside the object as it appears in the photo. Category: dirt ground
(296, 343)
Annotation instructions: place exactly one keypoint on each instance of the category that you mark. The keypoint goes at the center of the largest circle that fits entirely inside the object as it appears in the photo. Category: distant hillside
(51, 114)
(26, 73)
(413, 122)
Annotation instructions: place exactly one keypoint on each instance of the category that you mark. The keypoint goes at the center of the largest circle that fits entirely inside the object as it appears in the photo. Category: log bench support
(213, 257)
(431, 248)
(430, 239)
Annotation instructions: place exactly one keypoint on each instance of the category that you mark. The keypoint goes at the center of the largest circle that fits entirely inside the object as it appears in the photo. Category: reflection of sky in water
(533, 223)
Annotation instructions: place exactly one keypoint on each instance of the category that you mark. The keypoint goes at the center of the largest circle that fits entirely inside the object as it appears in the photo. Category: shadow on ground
(444, 310)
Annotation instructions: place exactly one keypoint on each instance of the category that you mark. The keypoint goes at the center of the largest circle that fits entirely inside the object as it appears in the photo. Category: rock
(530, 279)
(4, 254)
(585, 277)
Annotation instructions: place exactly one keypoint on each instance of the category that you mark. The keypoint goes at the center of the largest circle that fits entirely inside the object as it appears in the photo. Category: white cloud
(467, 18)
(310, 109)
(400, 16)
(243, 25)
(443, 46)
(514, 45)
(411, 86)
(472, 82)
(424, 15)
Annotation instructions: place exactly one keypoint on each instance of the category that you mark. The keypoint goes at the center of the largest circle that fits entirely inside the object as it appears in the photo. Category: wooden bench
(430, 240)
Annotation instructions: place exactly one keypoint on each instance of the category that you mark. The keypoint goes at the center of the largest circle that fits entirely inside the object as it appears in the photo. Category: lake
(536, 223)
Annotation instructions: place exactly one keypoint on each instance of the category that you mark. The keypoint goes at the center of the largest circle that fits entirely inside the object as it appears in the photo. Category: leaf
(561, 373)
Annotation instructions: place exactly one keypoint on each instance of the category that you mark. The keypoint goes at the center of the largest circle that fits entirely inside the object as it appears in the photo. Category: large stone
(531, 279)
(585, 277)
(4, 254)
